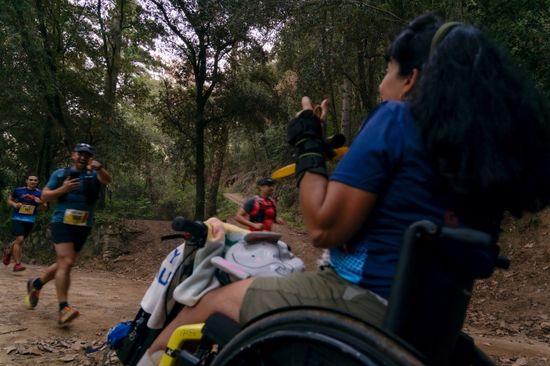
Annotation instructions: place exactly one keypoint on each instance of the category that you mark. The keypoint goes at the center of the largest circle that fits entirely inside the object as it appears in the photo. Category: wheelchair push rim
(313, 337)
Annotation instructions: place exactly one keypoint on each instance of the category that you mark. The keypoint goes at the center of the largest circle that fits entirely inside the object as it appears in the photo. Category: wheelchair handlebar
(195, 228)
(467, 236)
(198, 229)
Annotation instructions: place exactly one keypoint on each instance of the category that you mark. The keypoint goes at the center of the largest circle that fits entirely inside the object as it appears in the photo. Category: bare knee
(65, 262)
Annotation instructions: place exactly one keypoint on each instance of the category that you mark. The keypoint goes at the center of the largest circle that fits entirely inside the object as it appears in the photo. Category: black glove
(306, 125)
(305, 133)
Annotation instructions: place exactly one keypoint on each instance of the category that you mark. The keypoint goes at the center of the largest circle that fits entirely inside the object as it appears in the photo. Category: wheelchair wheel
(313, 337)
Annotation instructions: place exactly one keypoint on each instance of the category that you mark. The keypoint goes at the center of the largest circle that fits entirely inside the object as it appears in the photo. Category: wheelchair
(422, 326)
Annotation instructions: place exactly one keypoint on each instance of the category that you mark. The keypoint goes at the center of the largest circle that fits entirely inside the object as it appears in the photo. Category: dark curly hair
(485, 125)
(411, 47)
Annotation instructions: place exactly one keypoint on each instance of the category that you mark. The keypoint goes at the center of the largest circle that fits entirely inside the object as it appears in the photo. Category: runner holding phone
(76, 190)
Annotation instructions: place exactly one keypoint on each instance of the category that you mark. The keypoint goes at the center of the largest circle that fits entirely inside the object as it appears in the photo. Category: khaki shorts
(323, 289)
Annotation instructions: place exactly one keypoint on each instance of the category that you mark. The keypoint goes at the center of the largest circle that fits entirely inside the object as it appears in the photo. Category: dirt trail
(509, 317)
(30, 337)
(104, 298)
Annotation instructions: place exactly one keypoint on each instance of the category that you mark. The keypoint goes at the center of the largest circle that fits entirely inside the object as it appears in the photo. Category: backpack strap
(90, 191)
(66, 174)
(273, 204)
(256, 211)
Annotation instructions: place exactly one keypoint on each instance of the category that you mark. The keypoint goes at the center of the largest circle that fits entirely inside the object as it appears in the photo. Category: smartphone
(74, 174)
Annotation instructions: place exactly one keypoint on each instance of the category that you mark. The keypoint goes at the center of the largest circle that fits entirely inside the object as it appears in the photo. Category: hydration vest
(263, 210)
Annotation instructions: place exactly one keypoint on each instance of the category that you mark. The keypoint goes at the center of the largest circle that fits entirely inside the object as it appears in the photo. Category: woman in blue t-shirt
(461, 137)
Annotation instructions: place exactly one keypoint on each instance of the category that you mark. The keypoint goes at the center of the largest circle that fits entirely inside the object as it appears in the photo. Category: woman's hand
(306, 133)
(333, 212)
(321, 111)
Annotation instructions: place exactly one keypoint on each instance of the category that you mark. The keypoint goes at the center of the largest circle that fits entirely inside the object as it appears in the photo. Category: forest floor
(509, 317)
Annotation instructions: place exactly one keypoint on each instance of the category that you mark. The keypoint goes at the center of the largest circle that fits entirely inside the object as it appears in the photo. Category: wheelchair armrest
(219, 329)
(468, 237)
(231, 268)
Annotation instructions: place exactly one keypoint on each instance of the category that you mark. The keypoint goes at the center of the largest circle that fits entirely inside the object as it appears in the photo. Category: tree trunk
(112, 48)
(361, 72)
(372, 85)
(199, 167)
(346, 108)
(43, 168)
(216, 169)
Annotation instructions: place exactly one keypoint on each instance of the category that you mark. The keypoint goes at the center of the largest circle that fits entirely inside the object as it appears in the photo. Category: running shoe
(6, 257)
(31, 299)
(18, 267)
(67, 315)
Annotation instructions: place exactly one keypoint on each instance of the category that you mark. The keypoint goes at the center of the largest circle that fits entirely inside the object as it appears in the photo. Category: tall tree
(40, 28)
(205, 34)
(110, 30)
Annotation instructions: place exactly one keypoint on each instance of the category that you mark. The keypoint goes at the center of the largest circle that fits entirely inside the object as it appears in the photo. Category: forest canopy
(183, 99)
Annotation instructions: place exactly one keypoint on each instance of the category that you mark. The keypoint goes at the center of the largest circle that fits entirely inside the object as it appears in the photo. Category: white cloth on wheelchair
(203, 278)
(189, 291)
(153, 301)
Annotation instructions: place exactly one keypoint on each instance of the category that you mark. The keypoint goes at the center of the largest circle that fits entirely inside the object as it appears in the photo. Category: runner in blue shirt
(25, 202)
(75, 190)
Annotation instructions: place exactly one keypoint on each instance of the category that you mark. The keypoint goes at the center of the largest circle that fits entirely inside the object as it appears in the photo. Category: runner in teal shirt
(75, 189)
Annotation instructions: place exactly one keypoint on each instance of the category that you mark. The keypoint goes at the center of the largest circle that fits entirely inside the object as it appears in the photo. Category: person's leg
(226, 300)
(48, 274)
(17, 230)
(66, 257)
(322, 289)
(17, 248)
(6, 255)
(18, 245)
(34, 285)
(23, 230)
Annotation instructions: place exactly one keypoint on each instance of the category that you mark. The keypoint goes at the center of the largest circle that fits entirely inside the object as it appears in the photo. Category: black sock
(62, 305)
(37, 284)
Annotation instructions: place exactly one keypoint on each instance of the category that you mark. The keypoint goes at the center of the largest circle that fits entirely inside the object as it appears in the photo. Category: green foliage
(68, 73)
(226, 208)
(256, 154)
(523, 28)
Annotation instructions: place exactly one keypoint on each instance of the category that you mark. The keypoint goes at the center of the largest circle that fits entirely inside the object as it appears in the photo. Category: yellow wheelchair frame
(183, 334)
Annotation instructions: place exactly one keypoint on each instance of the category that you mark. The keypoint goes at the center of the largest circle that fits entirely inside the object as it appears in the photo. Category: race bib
(75, 217)
(26, 209)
